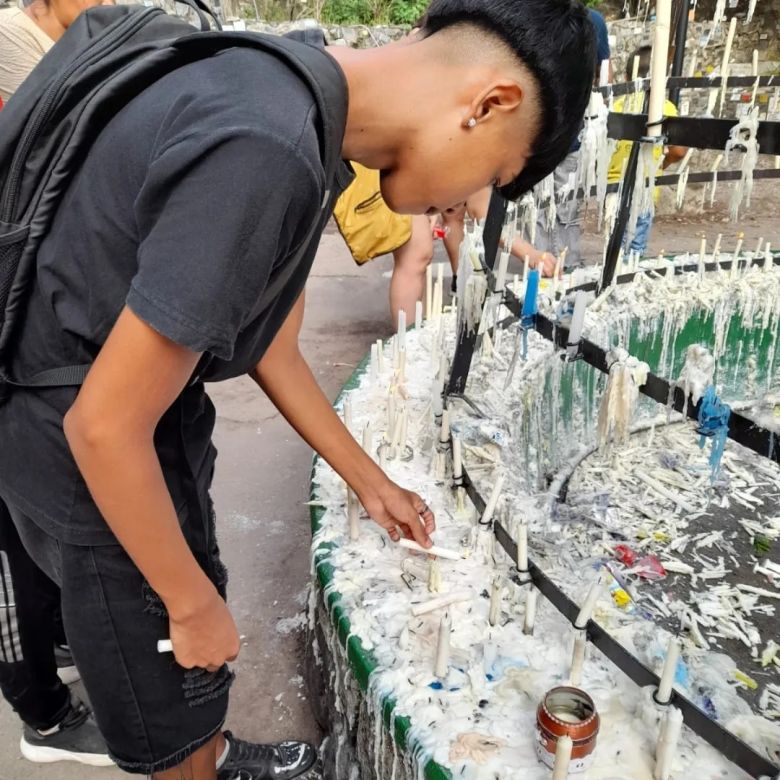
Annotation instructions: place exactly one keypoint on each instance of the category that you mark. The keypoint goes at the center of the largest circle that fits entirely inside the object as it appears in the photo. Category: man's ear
(498, 97)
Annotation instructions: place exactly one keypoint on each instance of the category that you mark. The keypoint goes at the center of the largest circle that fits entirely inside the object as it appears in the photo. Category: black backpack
(105, 59)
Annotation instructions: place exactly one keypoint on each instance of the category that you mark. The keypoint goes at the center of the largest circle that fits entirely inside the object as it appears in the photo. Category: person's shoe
(282, 761)
(66, 669)
(75, 738)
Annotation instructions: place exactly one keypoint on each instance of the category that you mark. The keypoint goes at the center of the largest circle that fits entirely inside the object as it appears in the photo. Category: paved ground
(262, 482)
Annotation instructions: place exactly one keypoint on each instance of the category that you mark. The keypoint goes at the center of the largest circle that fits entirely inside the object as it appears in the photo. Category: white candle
(495, 494)
(635, 68)
(503, 262)
(457, 460)
(428, 291)
(516, 284)
(396, 439)
(562, 758)
(439, 552)
(401, 329)
(768, 256)
(759, 245)
(702, 252)
(522, 548)
(443, 647)
(755, 62)
(724, 68)
(440, 603)
(604, 73)
(578, 657)
(437, 404)
(590, 602)
(368, 438)
(530, 610)
(495, 600)
(380, 363)
(404, 429)
(577, 318)
(353, 513)
(664, 693)
(347, 411)
(735, 256)
(418, 315)
(526, 265)
(716, 248)
(666, 750)
(655, 114)
(373, 368)
(402, 366)
(444, 432)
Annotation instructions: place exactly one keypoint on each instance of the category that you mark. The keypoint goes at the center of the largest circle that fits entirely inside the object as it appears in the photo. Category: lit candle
(530, 610)
(428, 291)
(522, 548)
(578, 657)
(664, 692)
(353, 513)
(495, 601)
(444, 432)
(490, 507)
(439, 603)
(439, 552)
(668, 738)
(443, 647)
(562, 758)
(418, 315)
(457, 460)
(590, 602)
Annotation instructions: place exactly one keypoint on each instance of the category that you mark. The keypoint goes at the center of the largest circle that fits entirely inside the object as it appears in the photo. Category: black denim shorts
(153, 713)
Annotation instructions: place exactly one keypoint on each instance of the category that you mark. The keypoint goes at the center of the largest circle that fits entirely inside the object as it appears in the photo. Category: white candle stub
(530, 610)
(590, 602)
(664, 693)
(578, 657)
(457, 459)
(490, 507)
(522, 548)
(668, 738)
(442, 663)
(440, 603)
(563, 750)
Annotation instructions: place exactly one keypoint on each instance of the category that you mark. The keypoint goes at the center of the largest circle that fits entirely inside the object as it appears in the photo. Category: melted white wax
(498, 674)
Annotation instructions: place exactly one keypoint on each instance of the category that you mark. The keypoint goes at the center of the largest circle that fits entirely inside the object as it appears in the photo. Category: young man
(157, 270)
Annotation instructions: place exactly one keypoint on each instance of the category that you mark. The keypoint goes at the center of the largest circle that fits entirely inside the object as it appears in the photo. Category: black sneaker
(66, 669)
(75, 738)
(282, 761)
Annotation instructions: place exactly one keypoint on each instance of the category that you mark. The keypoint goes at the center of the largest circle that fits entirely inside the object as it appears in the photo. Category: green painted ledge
(360, 660)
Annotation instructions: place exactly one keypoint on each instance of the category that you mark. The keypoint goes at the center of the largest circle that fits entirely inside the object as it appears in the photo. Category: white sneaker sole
(48, 755)
(68, 675)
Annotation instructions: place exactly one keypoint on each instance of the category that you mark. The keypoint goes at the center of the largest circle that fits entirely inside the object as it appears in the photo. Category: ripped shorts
(153, 713)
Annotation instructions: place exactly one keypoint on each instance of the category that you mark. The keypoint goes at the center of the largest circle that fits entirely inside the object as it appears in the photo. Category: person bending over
(196, 196)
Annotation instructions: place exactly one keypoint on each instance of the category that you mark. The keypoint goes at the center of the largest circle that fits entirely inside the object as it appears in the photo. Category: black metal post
(681, 35)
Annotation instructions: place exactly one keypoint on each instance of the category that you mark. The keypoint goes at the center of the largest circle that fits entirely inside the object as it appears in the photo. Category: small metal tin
(567, 711)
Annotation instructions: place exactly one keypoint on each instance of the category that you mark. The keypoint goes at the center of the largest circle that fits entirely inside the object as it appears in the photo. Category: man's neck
(45, 18)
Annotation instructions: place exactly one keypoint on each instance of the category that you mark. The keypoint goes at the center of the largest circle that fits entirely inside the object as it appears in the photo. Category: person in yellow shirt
(632, 104)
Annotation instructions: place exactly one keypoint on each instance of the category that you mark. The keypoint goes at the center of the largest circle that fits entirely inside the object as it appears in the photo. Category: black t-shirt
(188, 205)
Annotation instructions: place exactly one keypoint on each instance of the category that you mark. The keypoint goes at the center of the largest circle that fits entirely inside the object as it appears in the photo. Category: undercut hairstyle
(644, 53)
(555, 41)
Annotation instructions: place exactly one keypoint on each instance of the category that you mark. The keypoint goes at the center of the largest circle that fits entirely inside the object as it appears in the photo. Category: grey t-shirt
(189, 205)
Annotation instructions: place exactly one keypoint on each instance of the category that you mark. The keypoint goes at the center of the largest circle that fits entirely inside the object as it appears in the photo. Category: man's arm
(110, 428)
(287, 380)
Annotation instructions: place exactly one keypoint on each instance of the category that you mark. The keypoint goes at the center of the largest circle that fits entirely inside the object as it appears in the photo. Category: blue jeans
(641, 235)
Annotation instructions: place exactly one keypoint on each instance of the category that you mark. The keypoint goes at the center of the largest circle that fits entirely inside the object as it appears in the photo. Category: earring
(472, 122)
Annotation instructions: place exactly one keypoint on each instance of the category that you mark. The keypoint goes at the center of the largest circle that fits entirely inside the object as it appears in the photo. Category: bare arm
(287, 380)
(110, 428)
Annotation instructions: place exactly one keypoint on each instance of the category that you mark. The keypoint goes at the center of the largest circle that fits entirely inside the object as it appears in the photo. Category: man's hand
(203, 634)
(400, 512)
(544, 261)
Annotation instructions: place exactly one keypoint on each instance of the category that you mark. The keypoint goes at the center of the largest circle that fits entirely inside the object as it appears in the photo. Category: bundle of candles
(464, 642)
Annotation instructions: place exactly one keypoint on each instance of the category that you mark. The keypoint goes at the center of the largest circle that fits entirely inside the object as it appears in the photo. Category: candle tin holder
(567, 711)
